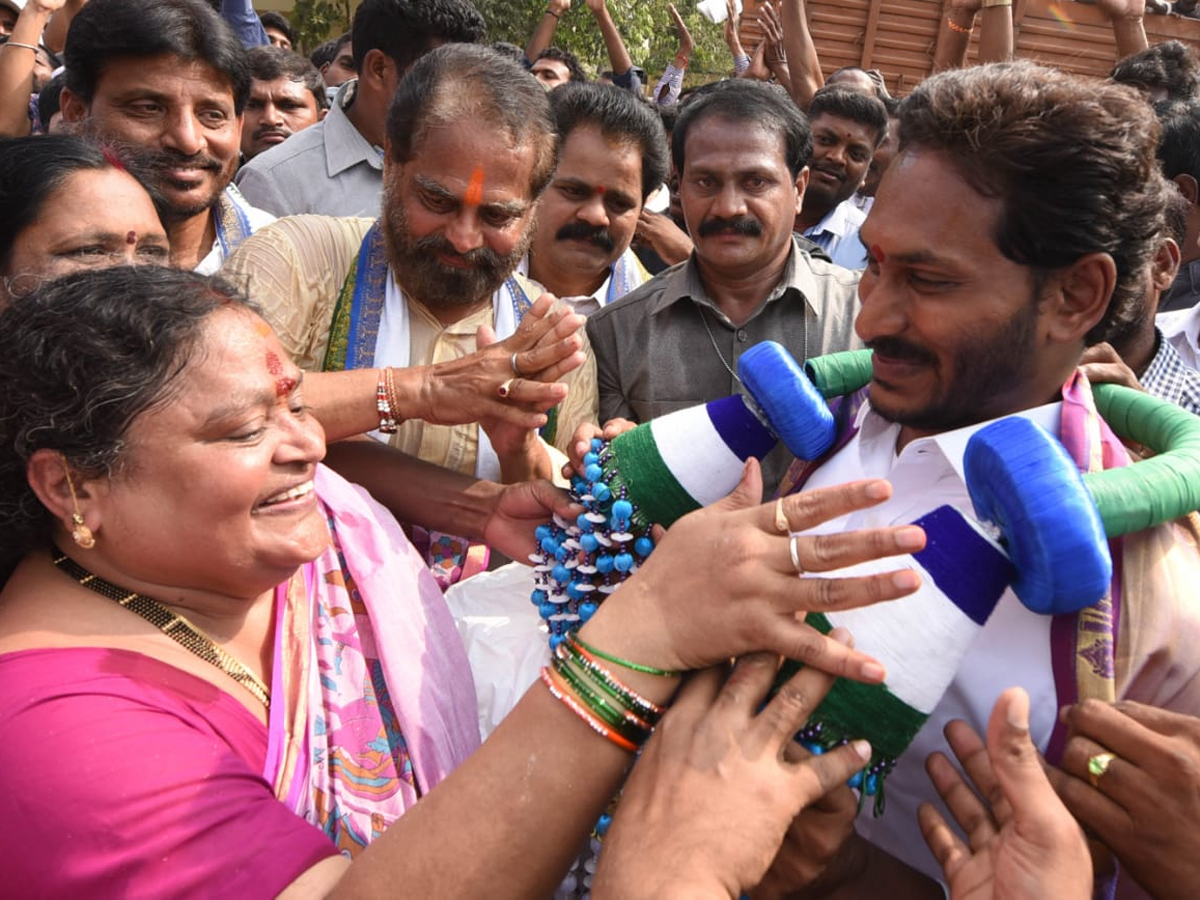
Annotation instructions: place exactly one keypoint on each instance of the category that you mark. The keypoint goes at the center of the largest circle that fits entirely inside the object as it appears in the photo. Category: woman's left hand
(712, 795)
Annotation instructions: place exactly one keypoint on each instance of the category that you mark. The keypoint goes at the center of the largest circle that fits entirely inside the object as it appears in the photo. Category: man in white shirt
(169, 80)
(1014, 227)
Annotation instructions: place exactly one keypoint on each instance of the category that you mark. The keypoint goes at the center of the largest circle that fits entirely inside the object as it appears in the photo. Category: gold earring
(80, 534)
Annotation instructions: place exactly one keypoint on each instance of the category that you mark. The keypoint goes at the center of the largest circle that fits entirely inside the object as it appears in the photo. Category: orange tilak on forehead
(474, 193)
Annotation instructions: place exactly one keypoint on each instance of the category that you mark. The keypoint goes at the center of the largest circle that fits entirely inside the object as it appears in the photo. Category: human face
(550, 72)
(278, 38)
(342, 68)
(884, 154)
(588, 215)
(459, 215)
(739, 199)
(43, 71)
(215, 495)
(179, 112)
(842, 151)
(275, 111)
(958, 329)
(8, 18)
(96, 219)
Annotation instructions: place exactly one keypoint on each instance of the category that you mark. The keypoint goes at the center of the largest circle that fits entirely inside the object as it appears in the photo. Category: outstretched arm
(16, 66)
(1128, 29)
(55, 35)
(618, 56)
(801, 51)
(543, 35)
(670, 86)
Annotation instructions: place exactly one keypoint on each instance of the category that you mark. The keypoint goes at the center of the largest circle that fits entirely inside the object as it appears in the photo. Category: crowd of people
(294, 351)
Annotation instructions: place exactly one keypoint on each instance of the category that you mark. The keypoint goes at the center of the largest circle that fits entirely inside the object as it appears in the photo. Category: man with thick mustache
(613, 154)
(740, 148)
(848, 126)
(470, 147)
(170, 80)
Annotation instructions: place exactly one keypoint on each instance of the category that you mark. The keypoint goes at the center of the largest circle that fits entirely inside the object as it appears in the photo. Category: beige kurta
(295, 269)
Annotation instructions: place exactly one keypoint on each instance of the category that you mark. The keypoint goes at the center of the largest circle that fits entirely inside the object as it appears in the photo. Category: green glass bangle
(606, 681)
(623, 663)
(621, 721)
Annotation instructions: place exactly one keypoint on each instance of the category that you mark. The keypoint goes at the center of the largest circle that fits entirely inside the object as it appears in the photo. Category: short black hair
(1171, 66)
(269, 63)
(48, 99)
(1179, 146)
(753, 102)
(105, 30)
(405, 30)
(856, 106)
(278, 21)
(323, 54)
(619, 114)
(568, 59)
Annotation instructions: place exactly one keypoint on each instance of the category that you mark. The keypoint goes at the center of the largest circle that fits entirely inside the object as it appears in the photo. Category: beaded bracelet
(387, 420)
(956, 28)
(393, 395)
(563, 694)
(649, 711)
(620, 720)
(623, 663)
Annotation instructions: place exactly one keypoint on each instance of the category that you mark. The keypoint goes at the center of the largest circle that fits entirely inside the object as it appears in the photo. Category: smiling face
(957, 328)
(588, 215)
(178, 111)
(739, 198)
(275, 111)
(215, 494)
(87, 223)
(458, 215)
(842, 152)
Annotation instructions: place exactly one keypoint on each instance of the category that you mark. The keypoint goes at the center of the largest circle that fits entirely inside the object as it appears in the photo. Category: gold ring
(782, 525)
(1097, 766)
(794, 548)
(512, 361)
(505, 387)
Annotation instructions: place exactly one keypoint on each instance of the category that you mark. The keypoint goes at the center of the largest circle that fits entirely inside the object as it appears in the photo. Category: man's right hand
(581, 442)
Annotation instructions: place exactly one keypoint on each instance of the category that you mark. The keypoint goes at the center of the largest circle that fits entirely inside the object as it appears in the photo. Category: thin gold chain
(174, 626)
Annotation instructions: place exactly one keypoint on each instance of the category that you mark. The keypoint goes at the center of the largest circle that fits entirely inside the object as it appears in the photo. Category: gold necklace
(174, 626)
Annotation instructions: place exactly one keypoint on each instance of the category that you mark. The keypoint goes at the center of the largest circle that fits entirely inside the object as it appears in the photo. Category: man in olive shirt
(741, 151)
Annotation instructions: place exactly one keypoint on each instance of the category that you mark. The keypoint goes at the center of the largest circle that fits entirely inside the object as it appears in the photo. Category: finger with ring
(1097, 765)
(512, 361)
(781, 520)
(506, 387)
(794, 549)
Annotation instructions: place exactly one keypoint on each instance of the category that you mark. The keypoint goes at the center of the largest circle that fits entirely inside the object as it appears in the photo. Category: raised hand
(1022, 842)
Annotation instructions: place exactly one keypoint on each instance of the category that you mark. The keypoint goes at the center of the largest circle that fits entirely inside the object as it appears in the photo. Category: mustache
(741, 225)
(262, 132)
(479, 258)
(170, 159)
(582, 231)
(836, 172)
(902, 351)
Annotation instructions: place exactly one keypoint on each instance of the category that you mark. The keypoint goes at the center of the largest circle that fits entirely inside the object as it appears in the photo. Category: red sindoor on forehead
(473, 195)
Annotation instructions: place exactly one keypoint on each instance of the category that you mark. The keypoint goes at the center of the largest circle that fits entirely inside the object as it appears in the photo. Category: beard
(429, 280)
(985, 369)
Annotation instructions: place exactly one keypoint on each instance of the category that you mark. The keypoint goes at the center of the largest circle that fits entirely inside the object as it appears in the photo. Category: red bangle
(956, 28)
(685, 60)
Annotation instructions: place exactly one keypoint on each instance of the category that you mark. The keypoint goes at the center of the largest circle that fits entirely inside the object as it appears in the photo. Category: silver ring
(794, 549)
(512, 361)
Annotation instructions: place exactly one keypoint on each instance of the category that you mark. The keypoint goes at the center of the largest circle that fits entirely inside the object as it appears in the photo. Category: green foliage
(315, 21)
(645, 26)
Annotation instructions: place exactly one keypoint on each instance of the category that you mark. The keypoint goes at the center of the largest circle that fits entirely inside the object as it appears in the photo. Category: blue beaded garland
(623, 562)
(642, 546)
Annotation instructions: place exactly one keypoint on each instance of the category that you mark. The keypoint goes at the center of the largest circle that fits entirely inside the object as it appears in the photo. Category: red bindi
(473, 195)
(600, 189)
(284, 386)
(131, 238)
